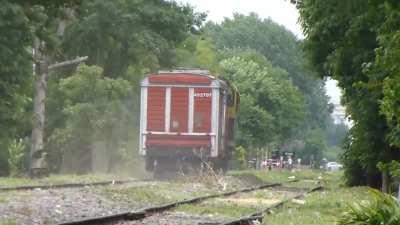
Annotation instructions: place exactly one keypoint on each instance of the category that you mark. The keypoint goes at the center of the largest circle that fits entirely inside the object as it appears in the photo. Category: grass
(56, 179)
(8, 222)
(320, 208)
(265, 176)
(236, 206)
(3, 200)
(217, 209)
(158, 193)
(148, 194)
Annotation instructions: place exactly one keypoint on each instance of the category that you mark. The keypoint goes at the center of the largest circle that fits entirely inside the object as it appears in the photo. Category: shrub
(16, 151)
(383, 209)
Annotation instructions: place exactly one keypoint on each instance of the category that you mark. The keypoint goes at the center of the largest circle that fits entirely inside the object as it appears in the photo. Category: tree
(314, 149)
(97, 109)
(342, 41)
(261, 39)
(15, 77)
(49, 29)
(118, 34)
(271, 107)
(197, 51)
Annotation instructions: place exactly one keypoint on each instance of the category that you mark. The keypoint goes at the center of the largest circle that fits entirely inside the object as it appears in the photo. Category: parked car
(333, 166)
(273, 163)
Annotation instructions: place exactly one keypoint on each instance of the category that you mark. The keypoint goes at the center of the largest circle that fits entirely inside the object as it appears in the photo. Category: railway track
(70, 185)
(259, 216)
(157, 210)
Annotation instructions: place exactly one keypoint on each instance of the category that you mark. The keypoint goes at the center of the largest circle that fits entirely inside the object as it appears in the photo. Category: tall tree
(283, 50)
(44, 45)
(15, 76)
(271, 107)
(342, 40)
(117, 34)
(126, 39)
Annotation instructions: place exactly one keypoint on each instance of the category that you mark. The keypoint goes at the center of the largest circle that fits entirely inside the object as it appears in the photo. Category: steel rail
(146, 212)
(68, 185)
(259, 216)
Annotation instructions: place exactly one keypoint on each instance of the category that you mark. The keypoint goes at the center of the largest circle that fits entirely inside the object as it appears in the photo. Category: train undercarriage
(169, 163)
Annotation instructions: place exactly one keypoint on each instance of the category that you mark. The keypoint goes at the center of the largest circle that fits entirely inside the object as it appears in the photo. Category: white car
(333, 166)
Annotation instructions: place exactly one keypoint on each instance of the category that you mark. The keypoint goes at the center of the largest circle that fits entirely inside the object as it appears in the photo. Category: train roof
(183, 77)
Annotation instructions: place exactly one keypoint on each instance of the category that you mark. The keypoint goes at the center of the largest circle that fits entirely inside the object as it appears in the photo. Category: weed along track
(222, 208)
(258, 216)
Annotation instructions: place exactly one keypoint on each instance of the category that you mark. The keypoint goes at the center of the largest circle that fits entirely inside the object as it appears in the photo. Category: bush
(383, 209)
(16, 151)
(240, 157)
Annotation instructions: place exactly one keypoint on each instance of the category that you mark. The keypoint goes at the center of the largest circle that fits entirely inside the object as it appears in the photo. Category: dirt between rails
(51, 206)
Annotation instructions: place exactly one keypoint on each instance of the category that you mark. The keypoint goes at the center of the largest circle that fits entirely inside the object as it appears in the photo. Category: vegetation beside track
(320, 208)
(157, 193)
(9, 222)
(237, 206)
(275, 175)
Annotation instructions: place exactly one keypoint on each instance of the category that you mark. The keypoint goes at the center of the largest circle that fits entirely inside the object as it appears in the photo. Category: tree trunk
(385, 182)
(38, 158)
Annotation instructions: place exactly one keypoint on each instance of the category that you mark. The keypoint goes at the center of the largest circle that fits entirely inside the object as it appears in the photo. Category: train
(187, 118)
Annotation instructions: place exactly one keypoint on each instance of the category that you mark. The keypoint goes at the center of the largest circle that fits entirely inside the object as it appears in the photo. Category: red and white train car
(186, 116)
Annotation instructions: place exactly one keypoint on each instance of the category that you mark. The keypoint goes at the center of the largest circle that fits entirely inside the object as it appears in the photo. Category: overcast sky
(280, 11)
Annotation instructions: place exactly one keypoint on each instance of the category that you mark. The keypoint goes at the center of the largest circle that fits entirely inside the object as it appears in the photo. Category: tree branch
(68, 62)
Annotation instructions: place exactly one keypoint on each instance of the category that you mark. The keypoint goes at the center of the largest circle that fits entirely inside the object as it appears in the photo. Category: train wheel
(165, 168)
(149, 164)
(221, 165)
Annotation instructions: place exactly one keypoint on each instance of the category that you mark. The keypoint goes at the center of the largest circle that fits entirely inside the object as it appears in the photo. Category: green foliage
(393, 168)
(353, 42)
(241, 157)
(336, 134)
(15, 76)
(117, 34)
(387, 59)
(382, 209)
(314, 149)
(196, 52)
(268, 44)
(16, 151)
(263, 37)
(251, 32)
(271, 107)
(95, 108)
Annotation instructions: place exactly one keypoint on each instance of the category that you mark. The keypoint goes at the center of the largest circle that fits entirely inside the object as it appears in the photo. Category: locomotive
(187, 117)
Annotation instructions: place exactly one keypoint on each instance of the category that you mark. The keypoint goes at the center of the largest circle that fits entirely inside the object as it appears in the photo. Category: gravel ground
(39, 206)
(53, 206)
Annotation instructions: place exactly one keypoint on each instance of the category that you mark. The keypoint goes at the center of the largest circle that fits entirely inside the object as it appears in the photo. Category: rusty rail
(67, 185)
(146, 212)
(259, 216)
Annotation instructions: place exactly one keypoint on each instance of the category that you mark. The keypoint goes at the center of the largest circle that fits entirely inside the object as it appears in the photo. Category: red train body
(187, 116)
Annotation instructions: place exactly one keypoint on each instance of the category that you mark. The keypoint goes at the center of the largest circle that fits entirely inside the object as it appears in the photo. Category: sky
(280, 11)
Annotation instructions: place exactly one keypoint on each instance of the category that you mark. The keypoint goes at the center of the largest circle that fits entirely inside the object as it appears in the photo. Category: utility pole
(38, 157)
